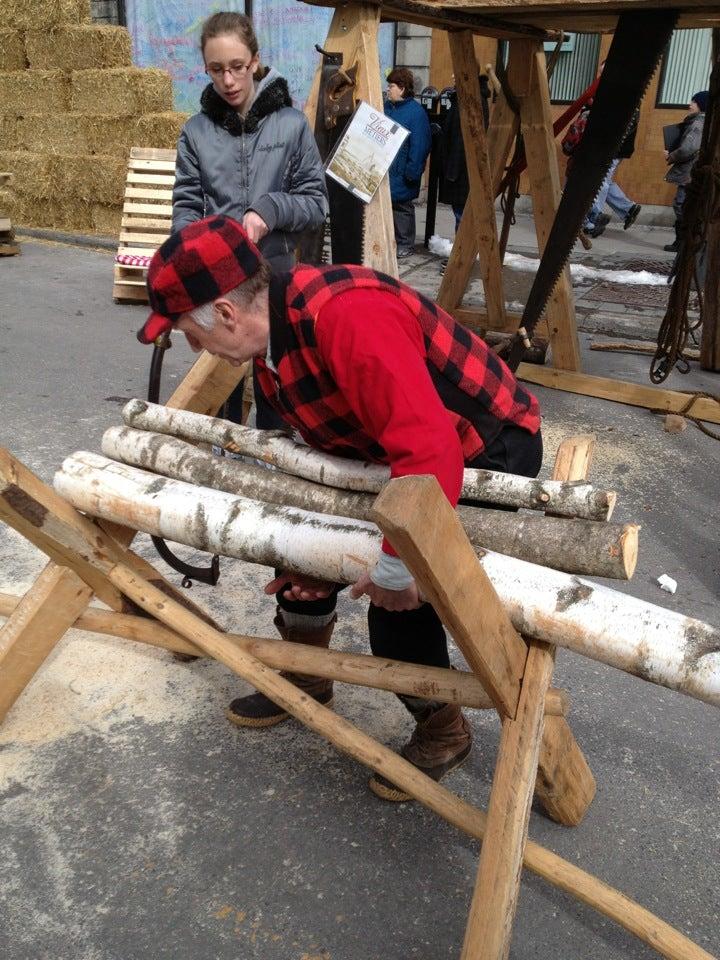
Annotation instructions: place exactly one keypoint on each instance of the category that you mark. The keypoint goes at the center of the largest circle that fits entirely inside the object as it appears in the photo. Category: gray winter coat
(685, 154)
(267, 162)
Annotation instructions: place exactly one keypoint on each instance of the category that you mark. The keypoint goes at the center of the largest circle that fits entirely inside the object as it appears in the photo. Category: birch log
(577, 499)
(658, 645)
(575, 546)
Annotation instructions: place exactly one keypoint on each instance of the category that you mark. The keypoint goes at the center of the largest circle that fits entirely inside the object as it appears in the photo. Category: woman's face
(693, 107)
(231, 67)
(395, 93)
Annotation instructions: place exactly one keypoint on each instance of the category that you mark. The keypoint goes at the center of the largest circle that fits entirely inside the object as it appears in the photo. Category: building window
(576, 67)
(686, 67)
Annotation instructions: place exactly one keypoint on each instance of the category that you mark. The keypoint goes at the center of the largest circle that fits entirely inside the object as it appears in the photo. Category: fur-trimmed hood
(271, 95)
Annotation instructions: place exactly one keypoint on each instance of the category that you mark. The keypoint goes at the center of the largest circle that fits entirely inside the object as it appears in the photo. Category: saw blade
(637, 46)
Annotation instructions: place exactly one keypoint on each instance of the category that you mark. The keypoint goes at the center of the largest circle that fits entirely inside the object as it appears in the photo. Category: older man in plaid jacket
(362, 366)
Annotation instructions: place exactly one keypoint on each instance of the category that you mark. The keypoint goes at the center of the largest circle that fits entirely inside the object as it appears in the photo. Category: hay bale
(72, 215)
(72, 133)
(34, 91)
(43, 14)
(159, 130)
(106, 220)
(9, 134)
(79, 48)
(89, 178)
(12, 50)
(32, 176)
(121, 92)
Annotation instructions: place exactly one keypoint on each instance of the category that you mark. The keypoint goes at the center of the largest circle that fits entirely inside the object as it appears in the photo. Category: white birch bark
(659, 645)
(576, 499)
(575, 546)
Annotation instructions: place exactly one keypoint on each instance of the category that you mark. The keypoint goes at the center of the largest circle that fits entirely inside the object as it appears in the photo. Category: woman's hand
(407, 599)
(301, 588)
(255, 226)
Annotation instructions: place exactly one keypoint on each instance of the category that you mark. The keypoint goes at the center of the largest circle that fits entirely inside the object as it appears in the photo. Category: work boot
(632, 216)
(257, 710)
(440, 742)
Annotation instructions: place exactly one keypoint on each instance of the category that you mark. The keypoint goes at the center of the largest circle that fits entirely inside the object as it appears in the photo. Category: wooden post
(565, 783)
(35, 626)
(710, 334)
(504, 124)
(481, 198)
(354, 33)
(528, 80)
(415, 516)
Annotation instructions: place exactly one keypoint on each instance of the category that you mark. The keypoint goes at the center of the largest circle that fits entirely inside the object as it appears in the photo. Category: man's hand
(407, 599)
(301, 588)
(667, 154)
(255, 226)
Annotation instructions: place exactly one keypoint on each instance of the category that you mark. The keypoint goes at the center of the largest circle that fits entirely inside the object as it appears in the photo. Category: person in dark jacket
(454, 183)
(336, 379)
(407, 168)
(248, 154)
(683, 156)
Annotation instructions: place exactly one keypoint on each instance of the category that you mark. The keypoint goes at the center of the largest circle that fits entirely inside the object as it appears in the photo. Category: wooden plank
(151, 193)
(5, 225)
(379, 251)
(35, 626)
(155, 210)
(544, 176)
(144, 239)
(160, 180)
(121, 291)
(482, 196)
(565, 785)
(477, 319)
(417, 518)
(619, 391)
(207, 385)
(147, 223)
(152, 153)
(151, 166)
(489, 928)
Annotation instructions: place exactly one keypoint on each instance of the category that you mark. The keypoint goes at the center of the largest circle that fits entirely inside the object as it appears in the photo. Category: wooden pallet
(146, 219)
(8, 247)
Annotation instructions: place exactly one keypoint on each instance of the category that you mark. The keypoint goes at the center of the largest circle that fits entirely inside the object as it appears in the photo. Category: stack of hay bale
(71, 106)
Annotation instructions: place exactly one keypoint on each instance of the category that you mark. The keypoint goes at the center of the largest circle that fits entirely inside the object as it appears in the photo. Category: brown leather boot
(441, 742)
(257, 710)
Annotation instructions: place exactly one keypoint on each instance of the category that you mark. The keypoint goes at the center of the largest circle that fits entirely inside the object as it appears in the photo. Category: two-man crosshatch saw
(507, 607)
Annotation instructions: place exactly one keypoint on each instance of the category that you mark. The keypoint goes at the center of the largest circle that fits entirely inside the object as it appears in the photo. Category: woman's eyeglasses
(236, 69)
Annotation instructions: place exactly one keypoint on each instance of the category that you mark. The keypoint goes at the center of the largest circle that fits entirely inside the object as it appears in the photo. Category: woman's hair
(402, 77)
(220, 24)
(241, 296)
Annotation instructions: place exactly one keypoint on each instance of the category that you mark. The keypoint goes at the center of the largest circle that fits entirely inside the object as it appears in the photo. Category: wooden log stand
(538, 753)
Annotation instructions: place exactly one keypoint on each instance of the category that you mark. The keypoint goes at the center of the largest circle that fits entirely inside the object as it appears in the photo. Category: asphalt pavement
(136, 822)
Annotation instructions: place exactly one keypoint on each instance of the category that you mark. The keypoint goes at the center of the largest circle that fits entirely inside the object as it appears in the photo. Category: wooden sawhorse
(537, 752)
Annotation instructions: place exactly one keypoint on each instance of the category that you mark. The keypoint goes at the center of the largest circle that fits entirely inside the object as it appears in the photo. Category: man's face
(228, 338)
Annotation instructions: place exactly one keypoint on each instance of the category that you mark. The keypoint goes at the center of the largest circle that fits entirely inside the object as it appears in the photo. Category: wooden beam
(634, 394)
(489, 928)
(544, 176)
(416, 517)
(35, 626)
(565, 784)
(396, 676)
(380, 251)
(207, 385)
(482, 196)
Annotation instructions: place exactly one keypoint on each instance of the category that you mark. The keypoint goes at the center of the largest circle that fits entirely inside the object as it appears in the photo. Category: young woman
(407, 168)
(248, 154)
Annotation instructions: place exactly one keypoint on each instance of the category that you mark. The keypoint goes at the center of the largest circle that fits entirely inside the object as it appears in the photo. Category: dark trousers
(404, 223)
(418, 636)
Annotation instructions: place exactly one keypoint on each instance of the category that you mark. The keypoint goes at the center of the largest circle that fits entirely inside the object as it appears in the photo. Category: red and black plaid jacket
(476, 387)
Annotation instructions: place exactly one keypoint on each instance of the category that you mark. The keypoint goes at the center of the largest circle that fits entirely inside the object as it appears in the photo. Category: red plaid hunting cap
(194, 266)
